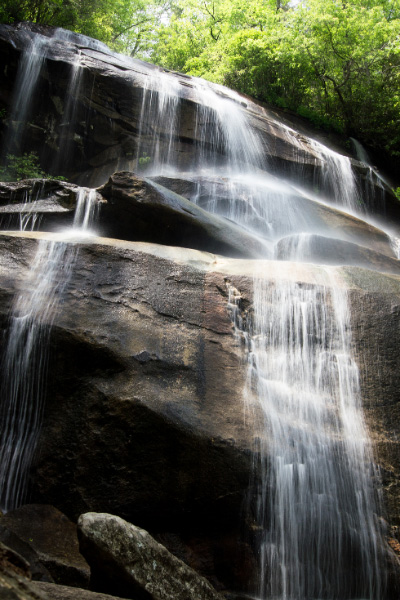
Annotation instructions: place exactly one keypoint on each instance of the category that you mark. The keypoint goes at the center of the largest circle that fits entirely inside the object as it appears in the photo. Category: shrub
(26, 166)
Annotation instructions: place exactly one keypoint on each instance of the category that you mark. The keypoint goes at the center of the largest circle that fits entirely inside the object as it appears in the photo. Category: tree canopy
(336, 62)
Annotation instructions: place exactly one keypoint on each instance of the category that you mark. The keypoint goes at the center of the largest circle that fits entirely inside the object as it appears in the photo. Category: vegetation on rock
(23, 167)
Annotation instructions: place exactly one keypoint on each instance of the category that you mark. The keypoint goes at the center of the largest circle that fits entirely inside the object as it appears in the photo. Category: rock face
(146, 371)
(150, 411)
(127, 560)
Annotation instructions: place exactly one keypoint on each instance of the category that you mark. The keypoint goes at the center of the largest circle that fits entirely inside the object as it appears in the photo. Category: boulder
(125, 559)
(52, 537)
(139, 209)
(287, 210)
(328, 251)
(25, 550)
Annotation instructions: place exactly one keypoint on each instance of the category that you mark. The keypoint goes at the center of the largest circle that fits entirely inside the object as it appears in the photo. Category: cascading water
(315, 506)
(337, 176)
(226, 140)
(160, 101)
(25, 358)
(315, 503)
(68, 124)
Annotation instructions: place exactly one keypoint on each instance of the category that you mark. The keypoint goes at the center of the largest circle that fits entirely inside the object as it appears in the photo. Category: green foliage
(396, 192)
(23, 167)
(144, 160)
(319, 120)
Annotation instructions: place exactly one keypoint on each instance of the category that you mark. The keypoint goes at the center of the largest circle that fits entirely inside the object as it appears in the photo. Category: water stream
(25, 358)
(315, 501)
(26, 85)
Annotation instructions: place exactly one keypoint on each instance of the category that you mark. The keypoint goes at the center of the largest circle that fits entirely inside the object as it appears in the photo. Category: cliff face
(144, 415)
(91, 112)
(149, 410)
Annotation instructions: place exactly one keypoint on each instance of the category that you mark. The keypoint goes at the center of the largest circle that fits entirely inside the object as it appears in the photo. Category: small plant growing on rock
(23, 167)
(144, 160)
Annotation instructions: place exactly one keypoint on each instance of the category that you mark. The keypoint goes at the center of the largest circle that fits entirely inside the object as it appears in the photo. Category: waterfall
(25, 358)
(68, 124)
(26, 85)
(159, 110)
(221, 127)
(315, 511)
(315, 504)
(315, 508)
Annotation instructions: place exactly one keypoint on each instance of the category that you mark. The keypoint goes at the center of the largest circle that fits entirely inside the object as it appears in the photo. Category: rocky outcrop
(127, 560)
(289, 210)
(138, 209)
(44, 203)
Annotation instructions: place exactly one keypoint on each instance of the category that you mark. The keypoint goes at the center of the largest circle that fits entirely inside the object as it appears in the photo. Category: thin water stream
(25, 358)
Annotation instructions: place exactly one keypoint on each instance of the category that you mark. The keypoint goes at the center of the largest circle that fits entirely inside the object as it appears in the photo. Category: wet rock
(52, 537)
(39, 203)
(322, 250)
(146, 370)
(30, 190)
(309, 215)
(138, 209)
(125, 559)
(109, 132)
